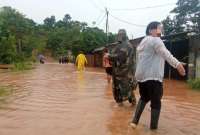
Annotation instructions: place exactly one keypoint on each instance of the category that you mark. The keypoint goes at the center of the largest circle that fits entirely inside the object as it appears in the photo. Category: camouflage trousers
(123, 89)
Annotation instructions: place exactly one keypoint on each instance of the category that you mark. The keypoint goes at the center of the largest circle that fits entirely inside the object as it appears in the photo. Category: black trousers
(151, 91)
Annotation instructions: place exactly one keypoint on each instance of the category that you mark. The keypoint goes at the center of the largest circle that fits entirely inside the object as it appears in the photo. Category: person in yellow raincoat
(81, 61)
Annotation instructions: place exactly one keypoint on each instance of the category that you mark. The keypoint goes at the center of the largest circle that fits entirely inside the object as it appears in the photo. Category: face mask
(159, 34)
(159, 31)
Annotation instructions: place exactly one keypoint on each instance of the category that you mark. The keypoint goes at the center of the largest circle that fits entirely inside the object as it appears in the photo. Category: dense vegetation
(194, 83)
(22, 39)
(184, 17)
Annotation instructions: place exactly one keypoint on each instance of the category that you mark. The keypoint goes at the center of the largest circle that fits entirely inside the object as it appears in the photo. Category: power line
(149, 7)
(96, 6)
(124, 21)
(121, 20)
(99, 17)
(101, 20)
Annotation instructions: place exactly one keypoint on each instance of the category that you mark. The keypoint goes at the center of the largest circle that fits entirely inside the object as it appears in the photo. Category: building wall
(196, 44)
(98, 59)
(193, 60)
(180, 50)
(198, 67)
(185, 49)
(95, 60)
(191, 65)
(90, 59)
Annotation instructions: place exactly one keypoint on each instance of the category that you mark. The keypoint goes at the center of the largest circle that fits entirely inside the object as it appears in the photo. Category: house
(184, 46)
(95, 58)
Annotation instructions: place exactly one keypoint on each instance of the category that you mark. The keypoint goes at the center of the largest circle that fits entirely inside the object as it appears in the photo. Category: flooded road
(54, 99)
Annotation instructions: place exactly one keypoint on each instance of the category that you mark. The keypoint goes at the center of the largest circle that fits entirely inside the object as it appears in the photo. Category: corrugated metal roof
(99, 49)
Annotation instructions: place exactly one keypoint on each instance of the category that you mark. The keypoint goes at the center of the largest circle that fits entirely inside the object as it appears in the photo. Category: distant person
(81, 61)
(107, 65)
(63, 60)
(67, 59)
(152, 54)
(41, 58)
(60, 59)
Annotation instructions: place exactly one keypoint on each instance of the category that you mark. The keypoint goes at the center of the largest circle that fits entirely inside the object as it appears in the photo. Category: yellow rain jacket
(81, 61)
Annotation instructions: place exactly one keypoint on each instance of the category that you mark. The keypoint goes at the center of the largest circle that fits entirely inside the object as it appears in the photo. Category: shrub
(20, 66)
(194, 83)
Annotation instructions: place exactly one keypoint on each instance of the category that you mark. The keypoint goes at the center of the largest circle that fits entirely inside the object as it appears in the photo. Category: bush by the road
(20, 66)
(194, 83)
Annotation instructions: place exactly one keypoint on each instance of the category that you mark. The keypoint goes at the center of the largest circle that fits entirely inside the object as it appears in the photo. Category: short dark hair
(152, 26)
(105, 50)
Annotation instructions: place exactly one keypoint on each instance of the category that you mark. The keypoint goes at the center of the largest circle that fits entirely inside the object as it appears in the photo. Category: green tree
(49, 22)
(92, 38)
(22, 39)
(23, 31)
(67, 18)
(169, 25)
(7, 50)
(186, 17)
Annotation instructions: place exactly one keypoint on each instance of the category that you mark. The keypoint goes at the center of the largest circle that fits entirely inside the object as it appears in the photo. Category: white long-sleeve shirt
(152, 54)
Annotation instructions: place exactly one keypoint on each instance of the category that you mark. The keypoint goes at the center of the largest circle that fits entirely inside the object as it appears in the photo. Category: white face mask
(159, 34)
(159, 30)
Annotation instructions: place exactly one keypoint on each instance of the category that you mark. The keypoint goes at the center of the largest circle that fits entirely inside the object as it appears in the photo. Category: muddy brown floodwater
(54, 99)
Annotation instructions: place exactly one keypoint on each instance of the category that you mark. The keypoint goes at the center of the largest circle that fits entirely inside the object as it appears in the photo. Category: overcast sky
(93, 10)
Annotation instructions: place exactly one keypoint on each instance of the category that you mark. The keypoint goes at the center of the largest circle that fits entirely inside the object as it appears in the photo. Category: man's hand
(181, 69)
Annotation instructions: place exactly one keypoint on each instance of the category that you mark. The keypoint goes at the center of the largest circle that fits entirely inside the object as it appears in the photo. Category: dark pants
(151, 91)
(41, 61)
(109, 70)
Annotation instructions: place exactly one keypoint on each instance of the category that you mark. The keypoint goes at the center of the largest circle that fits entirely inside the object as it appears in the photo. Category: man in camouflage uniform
(123, 62)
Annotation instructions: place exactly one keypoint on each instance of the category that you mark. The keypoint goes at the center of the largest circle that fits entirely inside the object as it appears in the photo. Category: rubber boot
(155, 114)
(138, 112)
(132, 98)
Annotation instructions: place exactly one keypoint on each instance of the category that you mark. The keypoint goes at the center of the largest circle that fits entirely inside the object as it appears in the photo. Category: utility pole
(107, 13)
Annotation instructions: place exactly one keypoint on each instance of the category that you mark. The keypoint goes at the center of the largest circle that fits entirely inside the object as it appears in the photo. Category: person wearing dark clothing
(122, 58)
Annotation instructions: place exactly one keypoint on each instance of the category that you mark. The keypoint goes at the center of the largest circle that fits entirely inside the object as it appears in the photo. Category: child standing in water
(152, 54)
(81, 61)
(107, 65)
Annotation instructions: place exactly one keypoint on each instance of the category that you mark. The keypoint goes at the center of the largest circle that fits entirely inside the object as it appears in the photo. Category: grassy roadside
(194, 83)
(5, 91)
